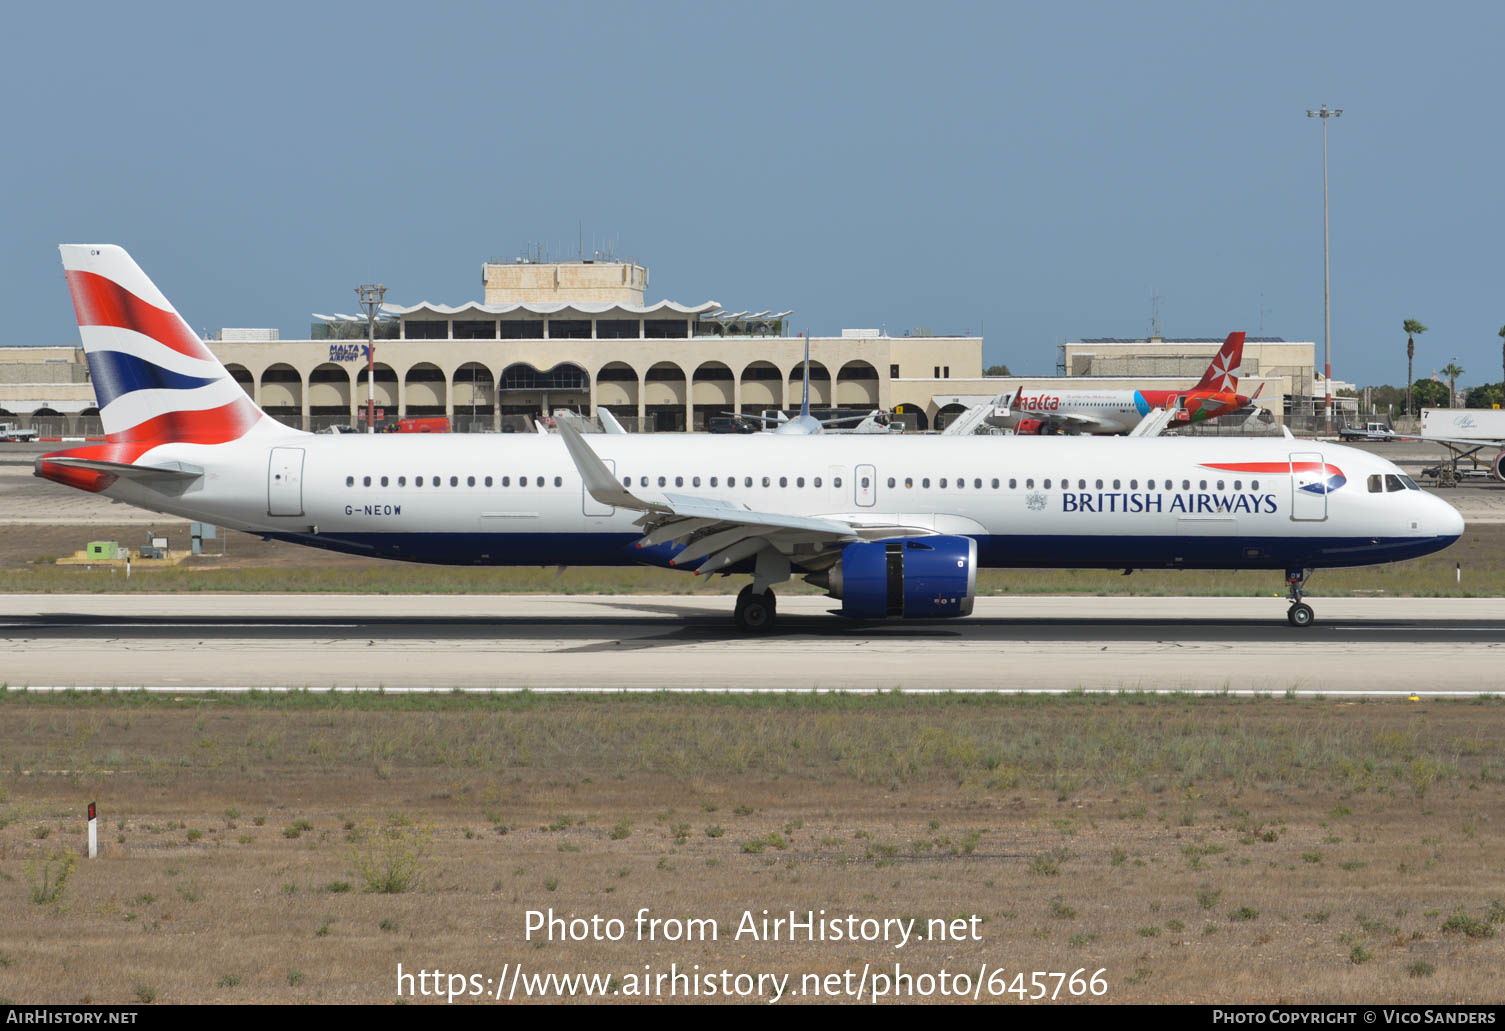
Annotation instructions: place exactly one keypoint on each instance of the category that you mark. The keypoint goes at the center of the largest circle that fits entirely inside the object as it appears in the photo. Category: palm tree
(1411, 327)
(1452, 370)
(1502, 359)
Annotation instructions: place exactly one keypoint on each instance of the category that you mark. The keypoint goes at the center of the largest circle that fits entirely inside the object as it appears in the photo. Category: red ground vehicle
(434, 425)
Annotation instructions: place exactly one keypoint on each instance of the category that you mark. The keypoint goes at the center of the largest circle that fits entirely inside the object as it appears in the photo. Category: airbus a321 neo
(891, 526)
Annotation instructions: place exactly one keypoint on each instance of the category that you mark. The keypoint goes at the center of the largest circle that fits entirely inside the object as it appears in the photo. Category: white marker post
(93, 833)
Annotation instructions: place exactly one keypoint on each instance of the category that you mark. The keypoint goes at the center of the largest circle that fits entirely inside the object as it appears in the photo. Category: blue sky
(1033, 171)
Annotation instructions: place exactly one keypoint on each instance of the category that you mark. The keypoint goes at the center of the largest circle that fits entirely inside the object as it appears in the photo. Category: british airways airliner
(891, 526)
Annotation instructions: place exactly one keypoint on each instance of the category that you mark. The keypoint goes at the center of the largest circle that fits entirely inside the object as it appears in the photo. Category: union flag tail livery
(155, 381)
(1222, 375)
(153, 377)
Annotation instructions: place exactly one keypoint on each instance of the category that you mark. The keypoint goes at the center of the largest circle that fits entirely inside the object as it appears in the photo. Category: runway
(511, 642)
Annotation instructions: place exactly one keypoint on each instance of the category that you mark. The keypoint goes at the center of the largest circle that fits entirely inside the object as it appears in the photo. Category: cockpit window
(1410, 483)
(1392, 482)
(1375, 485)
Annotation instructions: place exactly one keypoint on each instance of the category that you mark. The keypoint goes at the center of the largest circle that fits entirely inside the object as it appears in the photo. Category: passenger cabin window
(470, 481)
(817, 481)
(350, 481)
(366, 481)
(402, 481)
(539, 481)
(799, 481)
(836, 481)
(713, 481)
(454, 481)
(559, 481)
(488, 482)
(383, 481)
(1047, 485)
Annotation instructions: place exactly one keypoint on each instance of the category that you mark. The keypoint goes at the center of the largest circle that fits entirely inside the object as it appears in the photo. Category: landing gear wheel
(1300, 614)
(755, 612)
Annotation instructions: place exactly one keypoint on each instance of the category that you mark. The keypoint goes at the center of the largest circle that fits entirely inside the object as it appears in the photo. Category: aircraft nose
(1448, 520)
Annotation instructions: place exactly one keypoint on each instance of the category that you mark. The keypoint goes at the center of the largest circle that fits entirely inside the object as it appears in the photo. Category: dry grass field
(1200, 850)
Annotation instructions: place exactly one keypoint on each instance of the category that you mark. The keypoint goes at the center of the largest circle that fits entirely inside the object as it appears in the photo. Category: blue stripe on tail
(115, 373)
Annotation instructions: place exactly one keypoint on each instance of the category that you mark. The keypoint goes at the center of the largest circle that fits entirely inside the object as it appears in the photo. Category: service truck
(1368, 431)
(10, 431)
(1465, 432)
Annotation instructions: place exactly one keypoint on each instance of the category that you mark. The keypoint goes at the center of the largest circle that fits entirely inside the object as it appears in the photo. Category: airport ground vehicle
(1465, 432)
(890, 526)
(10, 431)
(1368, 431)
(425, 425)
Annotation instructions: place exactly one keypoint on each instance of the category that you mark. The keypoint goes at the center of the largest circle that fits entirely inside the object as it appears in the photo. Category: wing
(718, 533)
(1075, 420)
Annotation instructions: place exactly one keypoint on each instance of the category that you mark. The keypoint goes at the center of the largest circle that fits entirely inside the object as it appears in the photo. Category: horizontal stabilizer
(174, 472)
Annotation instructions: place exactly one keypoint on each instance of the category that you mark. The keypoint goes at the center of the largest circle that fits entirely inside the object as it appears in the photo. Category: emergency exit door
(285, 482)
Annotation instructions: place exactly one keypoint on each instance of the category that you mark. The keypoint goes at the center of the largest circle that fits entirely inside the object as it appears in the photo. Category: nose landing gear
(1300, 614)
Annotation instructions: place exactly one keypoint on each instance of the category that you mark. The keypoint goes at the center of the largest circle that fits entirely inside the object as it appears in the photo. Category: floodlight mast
(1324, 113)
(371, 295)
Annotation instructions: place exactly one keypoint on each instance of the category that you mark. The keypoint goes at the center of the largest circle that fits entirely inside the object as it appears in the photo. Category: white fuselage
(1110, 411)
(1053, 501)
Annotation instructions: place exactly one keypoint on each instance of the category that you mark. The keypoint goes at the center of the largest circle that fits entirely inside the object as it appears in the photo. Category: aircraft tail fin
(1222, 374)
(154, 379)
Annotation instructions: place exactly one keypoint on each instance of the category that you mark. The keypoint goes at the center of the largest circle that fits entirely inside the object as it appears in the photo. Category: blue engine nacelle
(908, 578)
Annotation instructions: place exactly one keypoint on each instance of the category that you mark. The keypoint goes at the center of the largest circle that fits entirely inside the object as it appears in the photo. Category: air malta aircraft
(1120, 411)
(891, 526)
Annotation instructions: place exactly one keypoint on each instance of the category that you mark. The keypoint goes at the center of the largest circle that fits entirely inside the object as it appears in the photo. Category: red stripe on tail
(206, 426)
(98, 301)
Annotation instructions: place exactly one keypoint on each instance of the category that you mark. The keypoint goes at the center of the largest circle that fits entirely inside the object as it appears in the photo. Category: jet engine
(907, 578)
(1499, 466)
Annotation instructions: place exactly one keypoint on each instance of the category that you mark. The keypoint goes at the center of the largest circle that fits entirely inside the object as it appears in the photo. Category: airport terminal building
(546, 335)
(578, 334)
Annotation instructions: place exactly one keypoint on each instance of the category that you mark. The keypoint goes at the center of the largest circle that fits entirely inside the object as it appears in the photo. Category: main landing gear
(1300, 613)
(756, 610)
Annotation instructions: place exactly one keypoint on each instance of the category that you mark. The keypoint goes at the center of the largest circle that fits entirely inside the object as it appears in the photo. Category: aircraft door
(285, 482)
(1308, 487)
(865, 486)
(589, 505)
